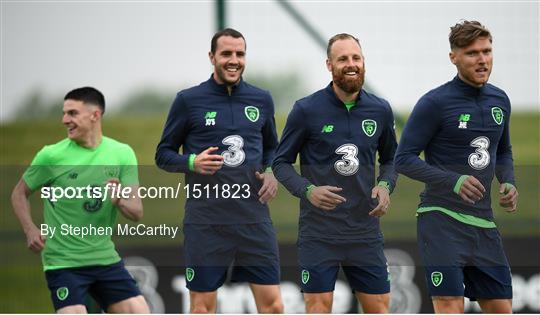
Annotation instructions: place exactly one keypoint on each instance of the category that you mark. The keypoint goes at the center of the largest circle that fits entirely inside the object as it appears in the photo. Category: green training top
(66, 164)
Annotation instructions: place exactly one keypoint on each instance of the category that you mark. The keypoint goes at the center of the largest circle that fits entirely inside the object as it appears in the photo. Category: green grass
(24, 289)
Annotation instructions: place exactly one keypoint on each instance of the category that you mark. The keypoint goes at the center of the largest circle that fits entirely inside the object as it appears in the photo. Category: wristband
(191, 162)
(507, 187)
(457, 186)
(308, 190)
(384, 184)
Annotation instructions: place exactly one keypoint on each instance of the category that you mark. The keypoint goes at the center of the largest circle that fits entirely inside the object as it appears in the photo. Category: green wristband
(457, 186)
(507, 187)
(191, 162)
(268, 170)
(308, 190)
(385, 184)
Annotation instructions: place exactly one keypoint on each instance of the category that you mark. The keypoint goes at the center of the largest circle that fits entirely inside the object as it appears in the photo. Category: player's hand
(383, 195)
(34, 240)
(509, 197)
(207, 163)
(326, 197)
(269, 186)
(471, 190)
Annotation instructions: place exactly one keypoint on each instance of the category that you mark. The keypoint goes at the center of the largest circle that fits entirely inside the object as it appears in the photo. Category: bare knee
(267, 298)
(202, 302)
(276, 307)
(318, 308)
(133, 305)
(448, 304)
(318, 302)
(496, 306)
(376, 308)
(374, 303)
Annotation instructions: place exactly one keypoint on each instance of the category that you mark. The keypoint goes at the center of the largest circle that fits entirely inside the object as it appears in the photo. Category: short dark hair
(465, 32)
(87, 94)
(225, 32)
(337, 37)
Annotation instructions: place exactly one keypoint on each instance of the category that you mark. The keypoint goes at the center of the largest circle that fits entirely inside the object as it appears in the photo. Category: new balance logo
(210, 118)
(327, 128)
(463, 119)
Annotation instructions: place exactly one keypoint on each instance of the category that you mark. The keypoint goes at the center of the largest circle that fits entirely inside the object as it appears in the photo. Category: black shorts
(211, 249)
(363, 263)
(106, 284)
(461, 259)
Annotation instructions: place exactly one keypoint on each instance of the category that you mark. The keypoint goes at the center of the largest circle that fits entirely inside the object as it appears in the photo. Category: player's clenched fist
(509, 197)
(34, 240)
(207, 163)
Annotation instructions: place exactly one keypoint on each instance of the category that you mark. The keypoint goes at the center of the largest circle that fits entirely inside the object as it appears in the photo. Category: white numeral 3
(480, 158)
(349, 164)
(234, 155)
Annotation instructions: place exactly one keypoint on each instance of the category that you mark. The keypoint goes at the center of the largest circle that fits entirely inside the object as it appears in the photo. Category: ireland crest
(62, 293)
(111, 171)
(305, 276)
(369, 126)
(190, 274)
(252, 113)
(497, 114)
(436, 278)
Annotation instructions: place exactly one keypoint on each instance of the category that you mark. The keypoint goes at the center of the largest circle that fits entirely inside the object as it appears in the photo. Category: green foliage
(36, 105)
(286, 88)
(146, 101)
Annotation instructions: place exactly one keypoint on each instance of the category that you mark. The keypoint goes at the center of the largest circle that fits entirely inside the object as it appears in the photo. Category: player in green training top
(83, 168)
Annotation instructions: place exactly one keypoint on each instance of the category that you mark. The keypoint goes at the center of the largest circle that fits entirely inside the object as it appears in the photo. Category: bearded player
(337, 131)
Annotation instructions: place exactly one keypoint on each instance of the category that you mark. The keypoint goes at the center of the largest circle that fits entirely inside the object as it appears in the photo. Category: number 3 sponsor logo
(234, 156)
(349, 163)
(480, 158)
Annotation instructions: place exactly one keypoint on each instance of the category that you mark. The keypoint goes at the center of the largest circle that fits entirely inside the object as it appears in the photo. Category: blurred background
(140, 53)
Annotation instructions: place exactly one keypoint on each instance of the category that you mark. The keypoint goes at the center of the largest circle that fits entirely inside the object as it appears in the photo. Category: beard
(348, 85)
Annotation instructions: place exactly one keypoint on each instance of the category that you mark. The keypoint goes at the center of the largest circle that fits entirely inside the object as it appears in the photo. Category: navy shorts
(106, 284)
(363, 263)
(461, 259)
(210, 250)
